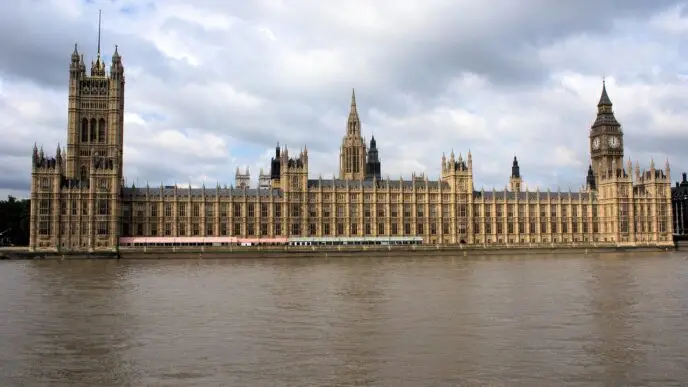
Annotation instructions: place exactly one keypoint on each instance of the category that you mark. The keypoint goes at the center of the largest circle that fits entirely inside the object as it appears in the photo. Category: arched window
(93, 129)
(84, 130)
(84, 173)
(101, 130)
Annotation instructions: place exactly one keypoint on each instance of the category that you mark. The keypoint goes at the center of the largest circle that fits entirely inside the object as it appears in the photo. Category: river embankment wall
(257, 252)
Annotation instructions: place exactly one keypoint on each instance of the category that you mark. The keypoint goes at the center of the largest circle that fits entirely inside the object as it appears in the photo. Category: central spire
(354, 111)
(354, 123)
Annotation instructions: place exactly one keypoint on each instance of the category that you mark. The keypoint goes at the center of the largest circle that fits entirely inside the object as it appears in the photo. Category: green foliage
(14, 215)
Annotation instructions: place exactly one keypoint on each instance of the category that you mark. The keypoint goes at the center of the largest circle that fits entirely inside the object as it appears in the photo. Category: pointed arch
(102, 130)
(84, 130)
(83, 173)
(93, 129)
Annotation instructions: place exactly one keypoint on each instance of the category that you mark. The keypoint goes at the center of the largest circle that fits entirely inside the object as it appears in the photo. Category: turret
(116, 69)
(373, 166)
(590, 179)
(515, 180)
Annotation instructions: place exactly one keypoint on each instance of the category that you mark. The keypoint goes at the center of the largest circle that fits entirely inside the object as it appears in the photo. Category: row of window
(102, 228)
(93, 130)
(250, 209)
(75, 207)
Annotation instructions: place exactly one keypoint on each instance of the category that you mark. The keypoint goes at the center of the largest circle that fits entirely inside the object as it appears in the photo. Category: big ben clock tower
(606, 138)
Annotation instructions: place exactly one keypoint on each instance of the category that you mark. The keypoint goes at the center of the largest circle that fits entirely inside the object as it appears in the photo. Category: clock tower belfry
(606, 138)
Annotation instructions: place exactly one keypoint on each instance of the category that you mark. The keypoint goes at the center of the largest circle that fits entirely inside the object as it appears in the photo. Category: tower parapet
(242, 179)
(457, 171)
(263, 179)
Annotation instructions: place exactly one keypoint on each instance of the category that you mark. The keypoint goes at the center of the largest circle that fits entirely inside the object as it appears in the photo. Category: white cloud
(215, 84)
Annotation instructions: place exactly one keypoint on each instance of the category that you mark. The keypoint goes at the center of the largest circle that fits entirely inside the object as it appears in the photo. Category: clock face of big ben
(614, 142)
(596, 143)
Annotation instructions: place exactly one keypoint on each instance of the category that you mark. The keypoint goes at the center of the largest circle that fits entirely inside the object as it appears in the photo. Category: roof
(200, 192)
(382, 184)
(510, 195)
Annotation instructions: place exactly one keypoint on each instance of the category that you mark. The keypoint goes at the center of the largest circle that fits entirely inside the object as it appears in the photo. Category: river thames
(595, 320)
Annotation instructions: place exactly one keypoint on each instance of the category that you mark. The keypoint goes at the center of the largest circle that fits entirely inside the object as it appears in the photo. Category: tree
(14, 220)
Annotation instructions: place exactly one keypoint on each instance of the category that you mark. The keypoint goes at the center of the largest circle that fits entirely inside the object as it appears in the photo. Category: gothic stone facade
(80, 203)
(679, 206)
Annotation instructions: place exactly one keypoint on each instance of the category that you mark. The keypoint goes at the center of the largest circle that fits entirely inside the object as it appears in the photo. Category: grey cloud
(411, 62)
(37, 43)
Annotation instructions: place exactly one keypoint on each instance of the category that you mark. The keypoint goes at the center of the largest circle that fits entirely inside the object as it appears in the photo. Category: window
(154, 210)
(44, 227)
(44, 207)
(103, 208)
(101, 130)
(103, 228)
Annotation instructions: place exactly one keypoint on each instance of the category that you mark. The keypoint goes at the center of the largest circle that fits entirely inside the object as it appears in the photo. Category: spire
(353, 123)
(353, 102)
(604, 98)
(99, 19)
(98, 67)
(75, 54)
(515, 169)
(605, 114)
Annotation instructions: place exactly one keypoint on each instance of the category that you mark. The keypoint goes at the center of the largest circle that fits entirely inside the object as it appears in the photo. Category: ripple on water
(574, 321)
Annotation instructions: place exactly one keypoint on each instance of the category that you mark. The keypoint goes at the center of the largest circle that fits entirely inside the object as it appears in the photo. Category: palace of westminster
(79, 201)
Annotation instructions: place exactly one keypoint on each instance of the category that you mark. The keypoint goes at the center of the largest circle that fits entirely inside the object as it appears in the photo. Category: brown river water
(595, 320)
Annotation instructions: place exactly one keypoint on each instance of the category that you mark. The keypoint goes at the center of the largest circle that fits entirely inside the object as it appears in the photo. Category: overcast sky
(215, 85)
